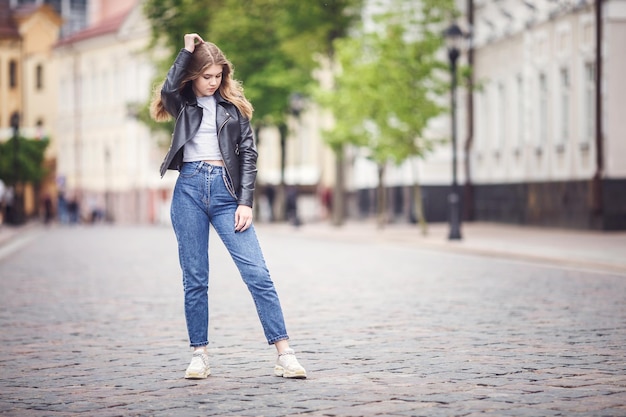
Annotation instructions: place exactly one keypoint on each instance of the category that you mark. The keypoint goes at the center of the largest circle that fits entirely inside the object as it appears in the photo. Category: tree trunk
(419, 209)
(280, 209)
(417, 200)
(338, 198)
(382, 197)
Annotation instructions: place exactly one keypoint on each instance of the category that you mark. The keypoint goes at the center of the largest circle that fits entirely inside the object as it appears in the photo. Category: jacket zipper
(219, 131)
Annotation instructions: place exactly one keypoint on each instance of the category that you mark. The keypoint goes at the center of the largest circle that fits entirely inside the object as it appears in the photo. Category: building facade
(540, 137)
(74, 13)
(541, 134)
(108, 160)
(28, 91)
(548, 138)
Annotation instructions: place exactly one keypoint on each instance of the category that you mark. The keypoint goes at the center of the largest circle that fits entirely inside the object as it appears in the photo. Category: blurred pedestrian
(73, 210)
(3, 189)
(292, 205)
(214, 151)
(62, 211)
(270, 194)
(327, 201)
(9, 205)
(48, 213)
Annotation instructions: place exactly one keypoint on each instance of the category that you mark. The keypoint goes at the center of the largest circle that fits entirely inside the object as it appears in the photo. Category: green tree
(388, 88)
(273, 44)
(169, 21)
(316, 25)
(21, 160)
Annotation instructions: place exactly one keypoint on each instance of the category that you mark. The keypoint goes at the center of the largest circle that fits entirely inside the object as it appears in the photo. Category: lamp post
(454, 37)
(296, 106)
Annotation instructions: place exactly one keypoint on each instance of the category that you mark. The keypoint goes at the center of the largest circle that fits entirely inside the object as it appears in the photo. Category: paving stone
(93, 324)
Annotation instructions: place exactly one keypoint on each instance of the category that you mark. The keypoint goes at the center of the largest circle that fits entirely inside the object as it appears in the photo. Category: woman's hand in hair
(191, 39)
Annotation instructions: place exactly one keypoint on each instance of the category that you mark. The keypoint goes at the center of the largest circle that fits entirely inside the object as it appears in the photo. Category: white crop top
(204, 146)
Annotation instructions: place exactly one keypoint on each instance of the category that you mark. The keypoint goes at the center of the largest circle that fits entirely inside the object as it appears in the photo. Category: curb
(482, 240)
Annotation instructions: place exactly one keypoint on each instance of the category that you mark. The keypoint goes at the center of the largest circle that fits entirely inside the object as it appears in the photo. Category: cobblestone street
(92, 324)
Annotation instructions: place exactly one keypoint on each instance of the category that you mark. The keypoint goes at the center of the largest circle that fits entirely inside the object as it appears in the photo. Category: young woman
(214, 151)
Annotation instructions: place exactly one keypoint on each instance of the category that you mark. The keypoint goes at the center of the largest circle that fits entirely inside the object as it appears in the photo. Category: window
(484, 139)
(78, 4)
(39, 77)
(39, 134)
(12, 74)
(501, 119)
(520, 112)
(479, 129)
(105, 88)
(543, 110)
(56, 4)
(564, 106)
(589, 102)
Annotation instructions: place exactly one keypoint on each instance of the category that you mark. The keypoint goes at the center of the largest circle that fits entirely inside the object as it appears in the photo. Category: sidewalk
(9, 232)
(605, 251)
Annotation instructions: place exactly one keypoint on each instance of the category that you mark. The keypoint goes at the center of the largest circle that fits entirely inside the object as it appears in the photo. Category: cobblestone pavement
(92, 324)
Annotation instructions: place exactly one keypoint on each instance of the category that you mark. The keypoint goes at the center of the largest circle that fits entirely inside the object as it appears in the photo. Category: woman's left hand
(243, 218)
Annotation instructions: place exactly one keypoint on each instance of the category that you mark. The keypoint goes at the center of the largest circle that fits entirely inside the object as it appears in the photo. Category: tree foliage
(272, 43)
(250, 35)
(390, 82)
(21, 160)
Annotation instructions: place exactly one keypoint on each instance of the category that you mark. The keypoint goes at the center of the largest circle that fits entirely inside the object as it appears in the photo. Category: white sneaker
(288, 366)
(199, 366)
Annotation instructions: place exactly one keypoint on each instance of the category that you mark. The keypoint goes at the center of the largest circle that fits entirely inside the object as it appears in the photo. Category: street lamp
(296, 106)
(454, 38)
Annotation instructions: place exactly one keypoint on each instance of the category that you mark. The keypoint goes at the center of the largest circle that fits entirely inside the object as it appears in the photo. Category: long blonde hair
(204, 55)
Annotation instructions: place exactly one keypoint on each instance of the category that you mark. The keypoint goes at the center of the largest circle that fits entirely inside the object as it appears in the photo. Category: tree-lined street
(92, 324)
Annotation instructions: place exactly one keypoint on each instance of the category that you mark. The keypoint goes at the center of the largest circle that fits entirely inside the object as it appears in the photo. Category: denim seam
(277, 339)
(270, 340)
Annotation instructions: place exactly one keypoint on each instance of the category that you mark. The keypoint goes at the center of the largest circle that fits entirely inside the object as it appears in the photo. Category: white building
(544, 136)
(549, 117)
(108, 159)
(537, 152)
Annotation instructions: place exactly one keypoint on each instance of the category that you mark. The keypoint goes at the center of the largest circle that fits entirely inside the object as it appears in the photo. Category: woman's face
(207, 83)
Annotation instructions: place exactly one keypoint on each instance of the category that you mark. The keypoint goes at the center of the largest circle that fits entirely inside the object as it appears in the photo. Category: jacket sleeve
(170, 92)
(247, 162)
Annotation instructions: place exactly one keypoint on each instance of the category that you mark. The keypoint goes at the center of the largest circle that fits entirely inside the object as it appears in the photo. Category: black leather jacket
(235, 136)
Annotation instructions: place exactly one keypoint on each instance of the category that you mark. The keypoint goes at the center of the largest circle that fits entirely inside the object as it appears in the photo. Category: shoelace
(203, 357)
(288, 360)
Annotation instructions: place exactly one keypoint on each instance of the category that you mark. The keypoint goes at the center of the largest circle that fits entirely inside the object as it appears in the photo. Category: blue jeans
(203, 195)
